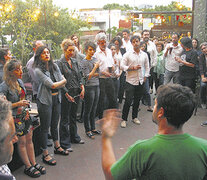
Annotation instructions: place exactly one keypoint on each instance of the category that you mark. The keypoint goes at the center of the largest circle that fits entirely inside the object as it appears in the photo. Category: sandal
(49, 162)
(96, 132)
(63, 152)
(32, 172)
(40, 168)
(90, 135)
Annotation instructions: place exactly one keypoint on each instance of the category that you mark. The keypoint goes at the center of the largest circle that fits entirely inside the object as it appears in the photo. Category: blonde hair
(8, 77)
(66, 43)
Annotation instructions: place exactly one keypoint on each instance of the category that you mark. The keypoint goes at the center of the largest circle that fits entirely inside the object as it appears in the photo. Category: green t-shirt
(170, 157)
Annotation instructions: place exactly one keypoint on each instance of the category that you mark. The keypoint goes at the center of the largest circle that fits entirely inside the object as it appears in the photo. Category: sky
(80, 4)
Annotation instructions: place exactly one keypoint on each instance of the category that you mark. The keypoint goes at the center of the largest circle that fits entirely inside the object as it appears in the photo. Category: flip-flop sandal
(40, 168)
(32, 172)
(49, 162)
(90, 135)
(63, 152)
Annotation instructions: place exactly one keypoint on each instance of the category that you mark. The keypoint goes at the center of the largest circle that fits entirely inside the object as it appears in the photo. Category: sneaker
(204, 123)
(123, 124)
(136, 121)
(69, 149)
(203, 106)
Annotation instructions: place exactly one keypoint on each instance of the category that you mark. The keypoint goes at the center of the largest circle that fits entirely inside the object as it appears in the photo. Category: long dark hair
(40, 64)
(78, 40)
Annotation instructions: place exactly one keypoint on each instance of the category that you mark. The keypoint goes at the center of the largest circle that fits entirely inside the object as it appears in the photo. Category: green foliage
(114, 31)
(124, 7)
(31, 20)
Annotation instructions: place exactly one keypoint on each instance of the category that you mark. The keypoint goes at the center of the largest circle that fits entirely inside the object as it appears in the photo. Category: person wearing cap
(188, 59)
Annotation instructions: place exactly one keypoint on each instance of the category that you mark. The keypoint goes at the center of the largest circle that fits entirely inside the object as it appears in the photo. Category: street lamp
(56, 14)
(179, 6)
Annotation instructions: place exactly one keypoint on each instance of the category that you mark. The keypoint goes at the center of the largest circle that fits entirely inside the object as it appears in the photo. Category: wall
(200, 20)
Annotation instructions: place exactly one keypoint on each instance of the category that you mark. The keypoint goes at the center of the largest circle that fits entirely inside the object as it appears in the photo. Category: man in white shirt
(136, 64)
(171, 51)
(126, 40)
(151, 49)
(106, 63)
(30, 68)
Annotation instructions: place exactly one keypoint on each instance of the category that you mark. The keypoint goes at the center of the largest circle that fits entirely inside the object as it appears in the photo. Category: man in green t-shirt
(171, 154)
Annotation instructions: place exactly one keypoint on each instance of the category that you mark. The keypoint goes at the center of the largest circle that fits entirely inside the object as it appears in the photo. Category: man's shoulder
(30, 62)
(199, 140)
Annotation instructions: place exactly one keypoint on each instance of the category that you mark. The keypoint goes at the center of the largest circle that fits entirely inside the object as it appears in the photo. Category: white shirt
(118, 57)
(34, 80)
(151, 48)
(106, 60)
(170, 63)
(135, 77)
(127, 45)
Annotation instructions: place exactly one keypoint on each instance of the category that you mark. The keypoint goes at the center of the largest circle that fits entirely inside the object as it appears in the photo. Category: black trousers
(133, 93)
(107, 90)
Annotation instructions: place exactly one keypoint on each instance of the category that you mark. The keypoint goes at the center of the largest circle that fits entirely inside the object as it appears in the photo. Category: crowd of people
(99, 75)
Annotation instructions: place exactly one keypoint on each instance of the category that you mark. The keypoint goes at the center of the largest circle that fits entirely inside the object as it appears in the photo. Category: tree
(37, 19)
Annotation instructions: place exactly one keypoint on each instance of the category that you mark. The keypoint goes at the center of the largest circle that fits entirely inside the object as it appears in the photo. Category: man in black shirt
(188, 60)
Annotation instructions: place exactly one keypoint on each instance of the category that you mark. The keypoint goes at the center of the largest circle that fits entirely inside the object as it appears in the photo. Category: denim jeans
(169, 75)
(189, 83)
(132, 93)
(116, 86)
(121, 86)
(203, 94)
(107, 90)
(68, 127)
(158, 80)
(90, 103)
(151, 79)
(146, 95)
(49, 117)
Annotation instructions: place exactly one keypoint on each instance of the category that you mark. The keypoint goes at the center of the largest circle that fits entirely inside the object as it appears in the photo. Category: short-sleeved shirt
(170, 157)
(186, 72)
(87, 66)
(171, 64)
(105, 59)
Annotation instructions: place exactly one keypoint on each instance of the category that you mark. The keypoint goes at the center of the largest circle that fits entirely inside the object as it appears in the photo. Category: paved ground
(85, 162)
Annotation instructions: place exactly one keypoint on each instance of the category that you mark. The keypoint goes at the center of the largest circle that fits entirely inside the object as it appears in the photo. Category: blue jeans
(170, 75)
(203, 94)
(146, 95)
(49, 117)
(122, 80)
(189, 83)
(158, 80)
(116, 86)
(132, 93)
(68, 127)
(90, 103)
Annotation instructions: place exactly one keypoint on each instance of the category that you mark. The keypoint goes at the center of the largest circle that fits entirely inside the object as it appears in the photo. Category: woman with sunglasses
(14, 90)
(48, 100)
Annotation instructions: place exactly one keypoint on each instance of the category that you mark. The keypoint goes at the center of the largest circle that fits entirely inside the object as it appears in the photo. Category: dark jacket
(72, 75)
(202, 65)
(11, 96)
